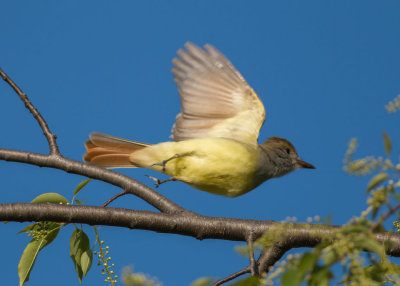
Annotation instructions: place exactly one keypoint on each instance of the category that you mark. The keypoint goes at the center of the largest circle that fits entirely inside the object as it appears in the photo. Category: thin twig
(233, 276)
(392, 211)
(385, 217)
(51, 137)
(115, 197)
(253, 263)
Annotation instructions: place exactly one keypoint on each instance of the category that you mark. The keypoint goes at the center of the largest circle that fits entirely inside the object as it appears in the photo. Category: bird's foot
(164, 162)
(158, 182)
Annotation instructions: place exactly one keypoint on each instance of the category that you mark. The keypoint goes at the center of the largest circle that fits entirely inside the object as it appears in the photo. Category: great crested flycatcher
(214, 145)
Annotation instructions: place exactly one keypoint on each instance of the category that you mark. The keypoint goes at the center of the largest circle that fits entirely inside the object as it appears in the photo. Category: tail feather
(112, 161)
(112, 152)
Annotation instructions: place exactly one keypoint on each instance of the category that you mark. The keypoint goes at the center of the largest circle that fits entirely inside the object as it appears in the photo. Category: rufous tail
(109, 151)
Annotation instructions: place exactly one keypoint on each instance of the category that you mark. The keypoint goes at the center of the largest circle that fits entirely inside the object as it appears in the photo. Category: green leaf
(78, 202)
(86, 261)
(387, 143)
(80, 186)
(80, 252)
(307, 262)
(375, 272)
(27, 260)
(321, 277)
(330, 257)
(31, 252)
(53, 230)
(393, 268)
(203, 281)
(353, 228)
(376, 180)
(249, 281)
(292, 277)
(28, 228)
(370, 244)
(45, 233)
(50, 198)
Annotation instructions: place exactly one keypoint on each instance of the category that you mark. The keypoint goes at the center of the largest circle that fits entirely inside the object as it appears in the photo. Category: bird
(214, 145)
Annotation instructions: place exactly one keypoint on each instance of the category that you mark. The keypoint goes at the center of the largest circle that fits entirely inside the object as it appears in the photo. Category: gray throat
(274, 163)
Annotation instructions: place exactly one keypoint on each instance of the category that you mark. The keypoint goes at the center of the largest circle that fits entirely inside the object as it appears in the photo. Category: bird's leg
(164, 162)
(158, 182)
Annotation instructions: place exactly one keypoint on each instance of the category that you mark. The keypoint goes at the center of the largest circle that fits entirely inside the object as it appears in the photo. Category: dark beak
(305, 165)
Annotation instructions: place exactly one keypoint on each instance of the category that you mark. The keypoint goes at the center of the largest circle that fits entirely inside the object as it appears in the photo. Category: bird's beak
(303, 164)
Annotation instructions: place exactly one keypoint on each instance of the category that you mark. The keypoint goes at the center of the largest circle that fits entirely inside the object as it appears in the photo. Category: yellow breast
(216, 165)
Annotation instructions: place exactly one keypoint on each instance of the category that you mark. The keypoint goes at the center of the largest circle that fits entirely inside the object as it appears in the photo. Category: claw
(164, 162)
(158, 182)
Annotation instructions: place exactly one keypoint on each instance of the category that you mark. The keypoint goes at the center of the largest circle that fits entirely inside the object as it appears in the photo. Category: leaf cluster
(346, 250)
(44, 233)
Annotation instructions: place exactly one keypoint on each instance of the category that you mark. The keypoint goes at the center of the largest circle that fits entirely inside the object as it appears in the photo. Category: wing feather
(216, 101)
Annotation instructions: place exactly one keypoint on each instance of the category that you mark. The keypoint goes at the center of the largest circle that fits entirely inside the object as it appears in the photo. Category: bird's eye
(288, 150)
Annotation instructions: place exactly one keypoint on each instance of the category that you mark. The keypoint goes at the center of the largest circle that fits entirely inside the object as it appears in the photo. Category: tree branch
(55, 160)
(117, 179)
(272, 255)
(253, 264)
(197, 226)
(123, 193)
(51, 137)
(233, 276)
(385, 217)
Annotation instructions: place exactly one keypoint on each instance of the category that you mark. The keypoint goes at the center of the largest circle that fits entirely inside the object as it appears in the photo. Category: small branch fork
(266, 259)
(123, 193)
(253, 264)
(57, 161)
(51, 137)
(172, 217)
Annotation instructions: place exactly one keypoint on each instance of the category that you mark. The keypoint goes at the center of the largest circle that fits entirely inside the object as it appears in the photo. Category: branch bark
(272, 255)
(197, 226)
(117, 179)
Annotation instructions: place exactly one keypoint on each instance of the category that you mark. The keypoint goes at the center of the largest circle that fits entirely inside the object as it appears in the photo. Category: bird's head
(283, 154)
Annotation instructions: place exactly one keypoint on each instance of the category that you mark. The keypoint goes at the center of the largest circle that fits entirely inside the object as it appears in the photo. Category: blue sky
(324, 71)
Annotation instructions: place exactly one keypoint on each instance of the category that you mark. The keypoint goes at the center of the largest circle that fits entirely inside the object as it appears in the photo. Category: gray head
(283, 156)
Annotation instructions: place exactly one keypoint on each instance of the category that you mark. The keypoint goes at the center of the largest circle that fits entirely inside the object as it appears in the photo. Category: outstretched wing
(216, 101)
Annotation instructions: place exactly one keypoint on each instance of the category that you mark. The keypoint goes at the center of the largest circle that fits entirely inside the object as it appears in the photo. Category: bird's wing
(216, 101)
